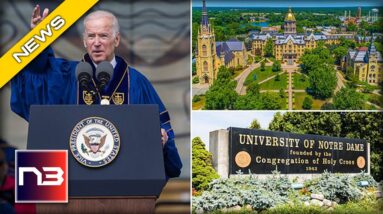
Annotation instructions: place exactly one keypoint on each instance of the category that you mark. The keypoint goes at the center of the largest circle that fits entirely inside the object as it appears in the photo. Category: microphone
(83, 74)
(104, 71)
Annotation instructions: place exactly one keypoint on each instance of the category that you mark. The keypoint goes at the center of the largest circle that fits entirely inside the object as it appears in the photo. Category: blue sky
(288, 3)
(204, 122)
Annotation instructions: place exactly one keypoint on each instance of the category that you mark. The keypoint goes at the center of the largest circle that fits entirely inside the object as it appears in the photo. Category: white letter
(16, 55)
(43, 33)
(29, 169)
(31, 45)
(57, 22)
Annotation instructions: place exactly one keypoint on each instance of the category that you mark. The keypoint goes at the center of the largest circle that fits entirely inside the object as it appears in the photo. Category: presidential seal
(94, 142)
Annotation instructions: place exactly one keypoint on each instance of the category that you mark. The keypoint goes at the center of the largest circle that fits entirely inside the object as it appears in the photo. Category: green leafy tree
(253, 89)
(221, 94)
(351, 27)
(309, 62)
(262, 101)
(323, 81)
(362, 125)
(328, 123)
(307, 103)
(328, 106)
(347, 43)
(277, 78)
(263, 64)
(348, 98)
(195, 80)
(367, 126)
(315, 58)
(276, 66)
(339, 53)
(269, 47)
(255, 124)
(202, 169)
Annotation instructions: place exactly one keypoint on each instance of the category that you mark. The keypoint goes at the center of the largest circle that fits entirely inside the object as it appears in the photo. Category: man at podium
(49, 80)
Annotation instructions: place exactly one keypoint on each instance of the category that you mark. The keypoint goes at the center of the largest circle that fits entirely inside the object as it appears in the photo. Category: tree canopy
(202, 169)
(221, 94)
(323, 81)
(348, 99)
(362, 125)
(255, 124)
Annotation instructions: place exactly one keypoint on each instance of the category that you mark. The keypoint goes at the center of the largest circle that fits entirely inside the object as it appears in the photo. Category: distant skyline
(288, 3)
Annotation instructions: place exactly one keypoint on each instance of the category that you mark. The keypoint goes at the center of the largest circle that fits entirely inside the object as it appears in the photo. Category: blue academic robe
(49, 80)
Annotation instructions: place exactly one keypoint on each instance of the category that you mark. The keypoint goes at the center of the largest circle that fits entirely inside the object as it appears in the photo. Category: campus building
(367, 64)
(290, 46)
(210, 55)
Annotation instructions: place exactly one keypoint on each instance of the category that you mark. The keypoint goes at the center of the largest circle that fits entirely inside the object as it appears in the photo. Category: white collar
(113, 62)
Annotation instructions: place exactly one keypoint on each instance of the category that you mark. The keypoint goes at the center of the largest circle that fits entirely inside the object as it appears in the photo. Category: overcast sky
(288, 3)
(204, 122)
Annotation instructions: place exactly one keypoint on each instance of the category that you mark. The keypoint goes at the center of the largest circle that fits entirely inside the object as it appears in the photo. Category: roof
(357, 55)
(223, 48)
(290, 16)
(236, 45)
(227, 49)
(255, 36)
(295, 39)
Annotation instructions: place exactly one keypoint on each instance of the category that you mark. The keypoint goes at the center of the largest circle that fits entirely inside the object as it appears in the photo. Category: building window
(205, 66)
(204, 52)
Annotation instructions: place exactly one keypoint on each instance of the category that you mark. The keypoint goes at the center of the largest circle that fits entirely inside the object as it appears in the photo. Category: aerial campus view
(289, 56)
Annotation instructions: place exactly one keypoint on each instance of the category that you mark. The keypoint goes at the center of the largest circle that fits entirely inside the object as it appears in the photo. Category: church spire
(205, 19)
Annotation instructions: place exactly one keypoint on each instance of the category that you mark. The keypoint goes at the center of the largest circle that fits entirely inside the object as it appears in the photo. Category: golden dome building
(290, 27)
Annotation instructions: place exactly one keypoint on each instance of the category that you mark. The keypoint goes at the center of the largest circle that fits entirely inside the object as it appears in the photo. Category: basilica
(210, 55)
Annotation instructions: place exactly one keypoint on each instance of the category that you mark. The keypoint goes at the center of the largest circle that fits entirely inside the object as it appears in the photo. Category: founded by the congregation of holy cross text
(262, 151)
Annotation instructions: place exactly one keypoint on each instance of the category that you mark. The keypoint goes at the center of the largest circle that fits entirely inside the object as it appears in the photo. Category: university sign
(261, 152)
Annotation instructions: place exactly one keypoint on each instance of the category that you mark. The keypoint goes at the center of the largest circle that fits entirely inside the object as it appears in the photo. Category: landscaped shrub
(337, 187)
(273, 194)
(196, 98)
(195, 80)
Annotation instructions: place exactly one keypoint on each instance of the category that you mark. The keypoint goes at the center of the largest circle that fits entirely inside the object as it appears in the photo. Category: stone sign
(264, 151)
(261, 152)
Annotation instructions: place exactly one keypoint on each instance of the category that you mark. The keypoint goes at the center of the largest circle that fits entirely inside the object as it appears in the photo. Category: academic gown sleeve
(45, 80)
(144, 93)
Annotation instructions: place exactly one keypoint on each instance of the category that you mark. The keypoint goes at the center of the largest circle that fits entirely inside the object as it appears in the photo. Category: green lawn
(376, 99)
(238, 72)
(300, 83)
(200, 104)
(261, 75)
(300, 96)
(275, 85)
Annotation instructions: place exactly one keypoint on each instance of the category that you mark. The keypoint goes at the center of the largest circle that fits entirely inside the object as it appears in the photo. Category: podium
(130, 183)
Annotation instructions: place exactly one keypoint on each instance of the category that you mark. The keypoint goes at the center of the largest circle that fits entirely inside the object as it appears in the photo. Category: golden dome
(290, 16)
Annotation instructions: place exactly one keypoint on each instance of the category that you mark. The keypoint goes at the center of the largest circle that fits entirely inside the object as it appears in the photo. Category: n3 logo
(42, 176)
(58, 175)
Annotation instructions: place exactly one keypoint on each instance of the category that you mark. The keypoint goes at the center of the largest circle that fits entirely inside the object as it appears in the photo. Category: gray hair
(103, 13)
